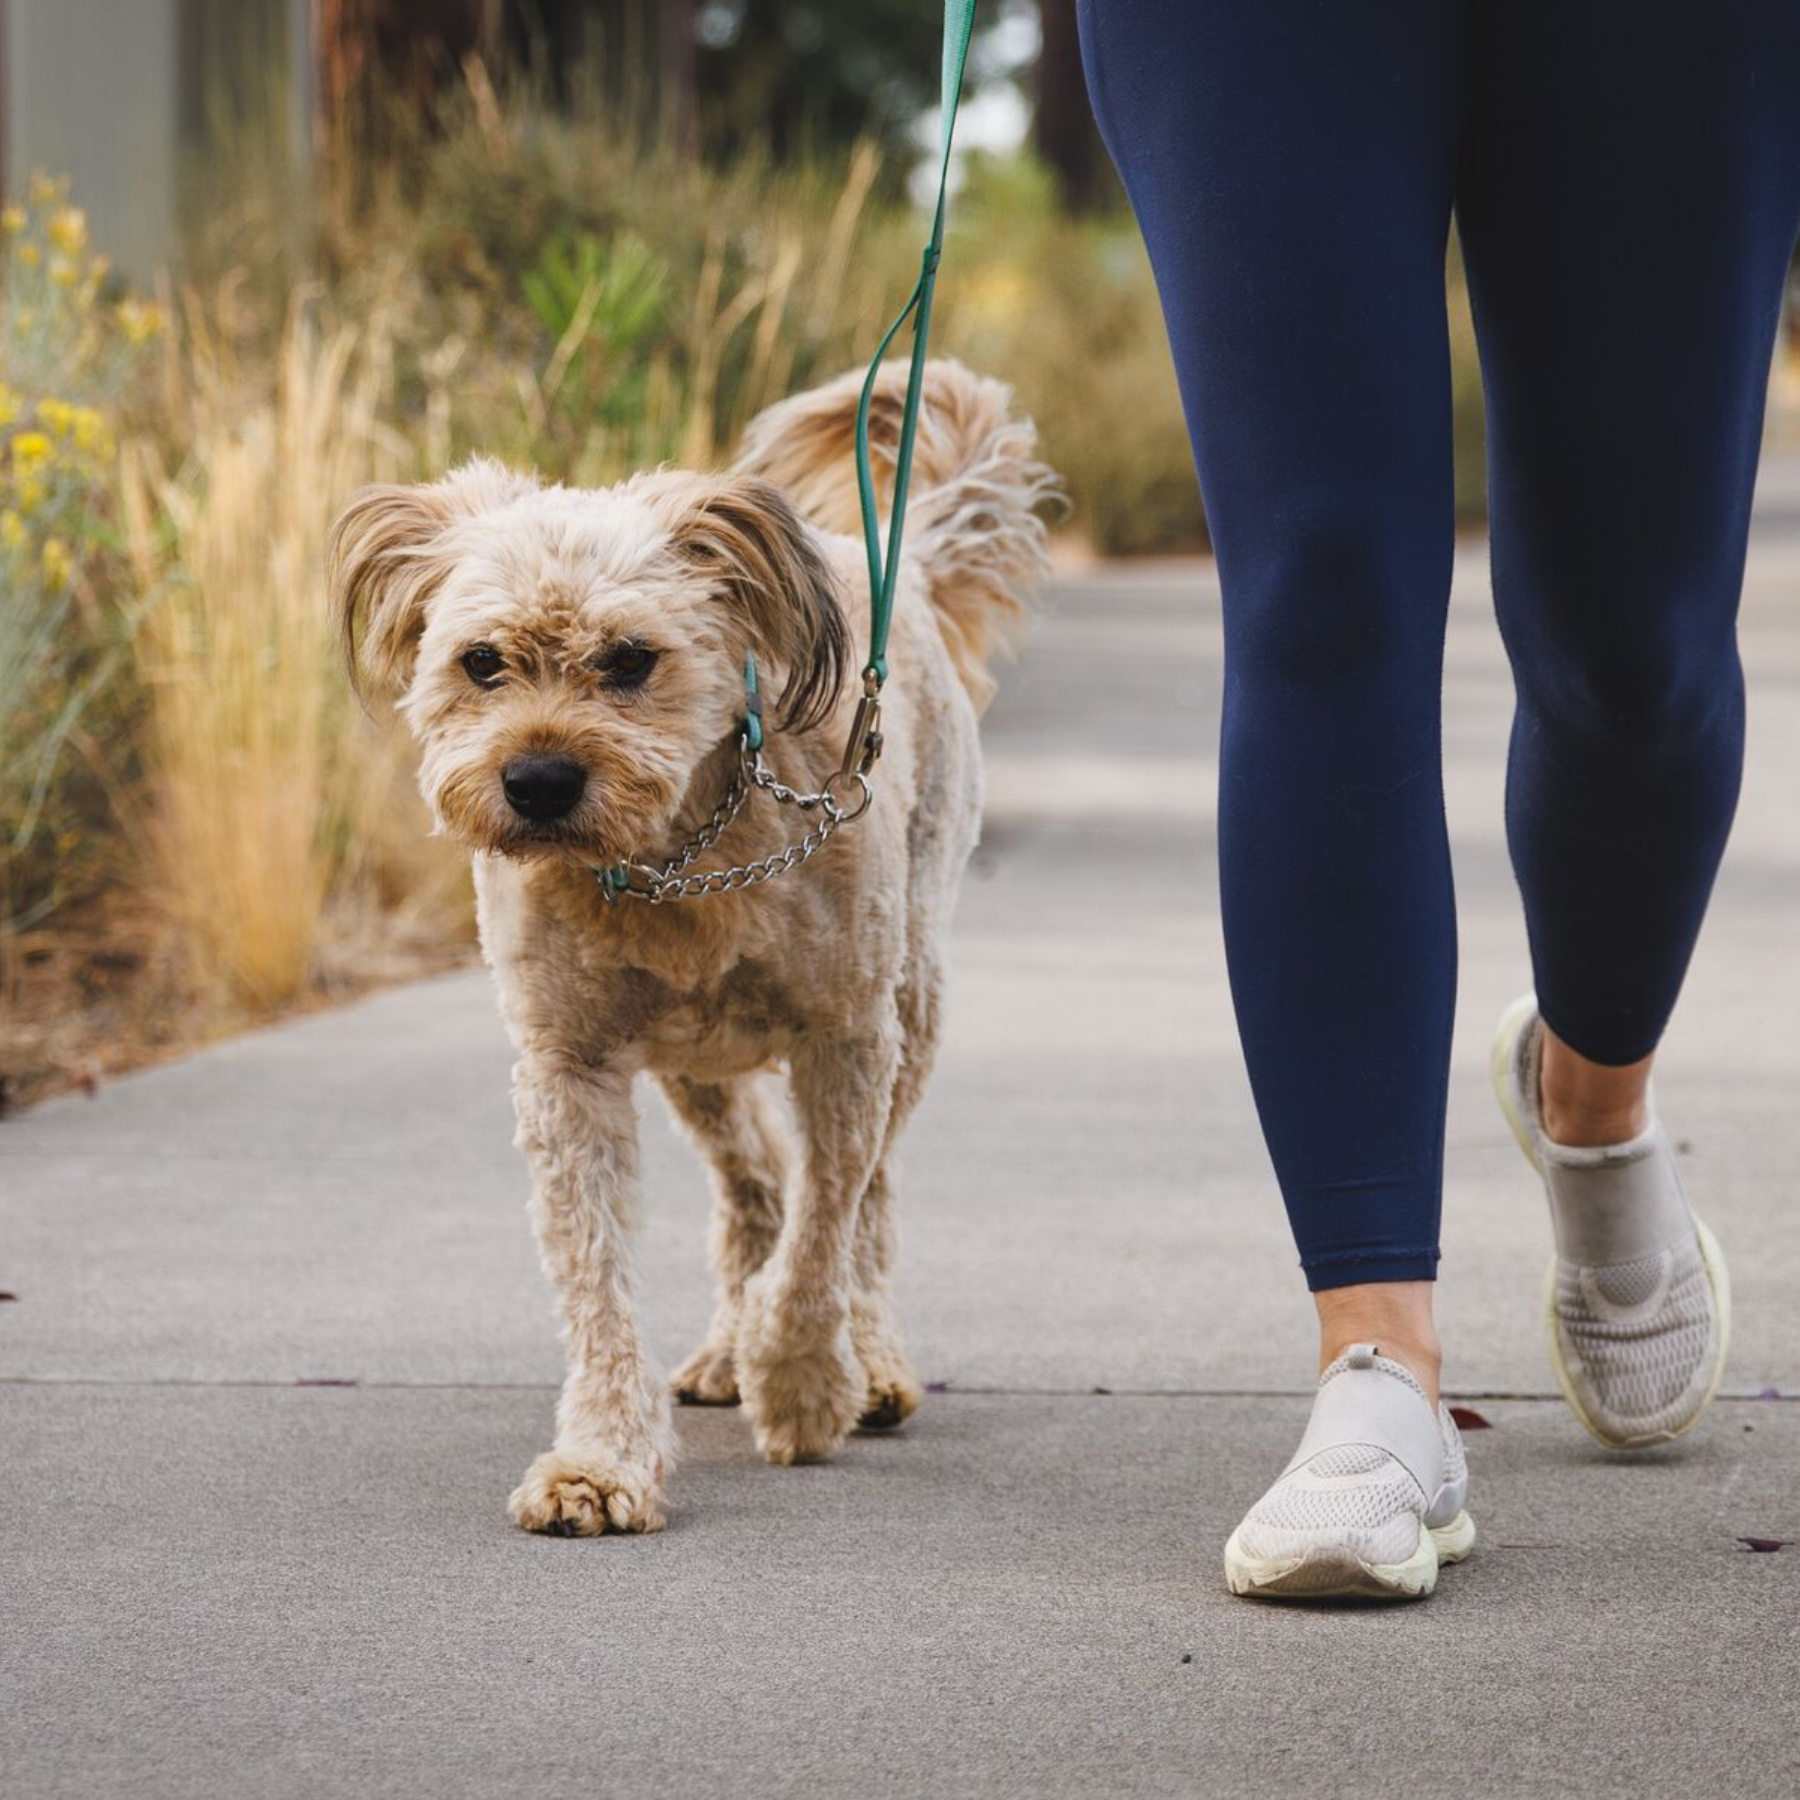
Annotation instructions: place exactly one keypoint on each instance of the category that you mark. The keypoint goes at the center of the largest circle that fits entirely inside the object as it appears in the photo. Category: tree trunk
(1064, 131)
(413, 47)
(678, 83)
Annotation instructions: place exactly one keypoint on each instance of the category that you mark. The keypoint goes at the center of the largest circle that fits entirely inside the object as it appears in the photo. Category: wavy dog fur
(605, 631)
(977, 496)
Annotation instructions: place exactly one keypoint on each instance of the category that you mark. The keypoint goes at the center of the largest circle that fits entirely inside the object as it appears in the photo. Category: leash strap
(884, 566)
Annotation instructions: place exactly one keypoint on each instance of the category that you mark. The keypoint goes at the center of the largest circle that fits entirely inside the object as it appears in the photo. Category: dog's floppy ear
(768, 565)
(386, 556)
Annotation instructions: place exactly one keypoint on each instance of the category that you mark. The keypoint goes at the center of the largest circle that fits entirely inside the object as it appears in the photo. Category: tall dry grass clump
(259, 776)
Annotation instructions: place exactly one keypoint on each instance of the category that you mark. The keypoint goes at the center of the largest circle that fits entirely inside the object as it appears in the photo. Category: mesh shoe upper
(1353, 1496)
(1639, 1339)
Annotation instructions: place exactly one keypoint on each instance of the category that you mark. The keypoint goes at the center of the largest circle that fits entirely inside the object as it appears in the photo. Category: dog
(572, 665)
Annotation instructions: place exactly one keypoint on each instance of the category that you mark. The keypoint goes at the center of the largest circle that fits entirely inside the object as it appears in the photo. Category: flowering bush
(67, 352)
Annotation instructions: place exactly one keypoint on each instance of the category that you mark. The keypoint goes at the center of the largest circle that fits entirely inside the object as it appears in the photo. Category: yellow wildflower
(89, 430)
(138, 320)
(30, 448)
(30, 255)
(67, 230)
(63, 272)
(12, 530)
(12, 220)
(43, 189)
(29, 491)
(58, 564)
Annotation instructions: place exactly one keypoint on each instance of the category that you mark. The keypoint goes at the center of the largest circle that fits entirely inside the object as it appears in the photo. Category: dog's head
(569, 659)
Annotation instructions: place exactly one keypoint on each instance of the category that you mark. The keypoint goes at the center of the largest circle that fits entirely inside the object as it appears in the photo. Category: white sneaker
(1637, 1302)
(1373, 1500)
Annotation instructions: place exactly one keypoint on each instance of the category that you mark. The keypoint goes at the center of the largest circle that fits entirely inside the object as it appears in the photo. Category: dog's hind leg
(797, 1367)
(894, 1392)
(614, 1436)
(737, 1126)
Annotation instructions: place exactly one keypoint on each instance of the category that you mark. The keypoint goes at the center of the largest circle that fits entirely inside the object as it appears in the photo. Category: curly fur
(833, 975)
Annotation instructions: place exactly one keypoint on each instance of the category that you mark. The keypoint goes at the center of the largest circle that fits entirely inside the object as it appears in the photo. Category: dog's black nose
(542, 787)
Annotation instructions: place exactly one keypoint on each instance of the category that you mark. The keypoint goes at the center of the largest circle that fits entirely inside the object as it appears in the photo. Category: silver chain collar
(644, 881)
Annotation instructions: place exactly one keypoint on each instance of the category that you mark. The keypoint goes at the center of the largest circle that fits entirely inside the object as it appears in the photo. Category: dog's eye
(483, 664)
(626, 664)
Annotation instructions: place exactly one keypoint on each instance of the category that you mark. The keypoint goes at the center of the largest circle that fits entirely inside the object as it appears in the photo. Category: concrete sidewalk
(218, 1577)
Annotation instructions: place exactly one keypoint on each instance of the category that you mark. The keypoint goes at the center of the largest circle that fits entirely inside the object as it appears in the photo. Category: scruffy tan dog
(572, 664)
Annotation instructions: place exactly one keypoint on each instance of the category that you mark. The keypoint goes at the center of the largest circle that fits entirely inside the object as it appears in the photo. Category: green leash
(864, 745)
(959, 27)
(673, 881)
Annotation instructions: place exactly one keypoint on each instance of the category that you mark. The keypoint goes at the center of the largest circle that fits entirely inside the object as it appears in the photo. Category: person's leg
(1628, 211)
(1292, 163)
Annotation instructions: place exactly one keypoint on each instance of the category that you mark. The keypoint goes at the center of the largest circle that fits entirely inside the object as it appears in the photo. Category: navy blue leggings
(1625, 178)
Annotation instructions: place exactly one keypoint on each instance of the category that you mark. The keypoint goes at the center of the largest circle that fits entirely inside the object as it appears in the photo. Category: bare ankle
(1394, 1316)
(1585, 1128)
(1585, 1104)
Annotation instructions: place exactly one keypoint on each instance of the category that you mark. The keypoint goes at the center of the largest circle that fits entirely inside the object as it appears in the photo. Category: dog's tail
(973, 509)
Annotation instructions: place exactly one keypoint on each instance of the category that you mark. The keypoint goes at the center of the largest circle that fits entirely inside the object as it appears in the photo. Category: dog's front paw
(570, 1495)
(802, 1394)
(707, 1378)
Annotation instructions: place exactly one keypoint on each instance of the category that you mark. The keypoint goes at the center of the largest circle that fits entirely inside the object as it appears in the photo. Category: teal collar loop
(753, 714)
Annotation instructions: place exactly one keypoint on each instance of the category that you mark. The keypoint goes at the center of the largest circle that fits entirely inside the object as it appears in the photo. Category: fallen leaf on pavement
(1765, 1544)
(1468, 1419)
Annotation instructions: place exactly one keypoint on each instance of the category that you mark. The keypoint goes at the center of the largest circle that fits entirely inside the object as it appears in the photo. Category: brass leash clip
(863, 750)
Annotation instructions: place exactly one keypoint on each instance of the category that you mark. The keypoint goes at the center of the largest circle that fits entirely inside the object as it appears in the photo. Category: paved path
(219, 1578)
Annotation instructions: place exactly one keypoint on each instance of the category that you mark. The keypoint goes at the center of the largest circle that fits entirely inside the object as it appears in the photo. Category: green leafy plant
(602, 304)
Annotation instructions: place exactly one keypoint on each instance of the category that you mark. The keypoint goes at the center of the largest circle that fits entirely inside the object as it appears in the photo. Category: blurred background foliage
(587, 235)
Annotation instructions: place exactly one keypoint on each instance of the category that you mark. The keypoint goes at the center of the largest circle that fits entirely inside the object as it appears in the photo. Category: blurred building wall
(93, 92)
(113, 94)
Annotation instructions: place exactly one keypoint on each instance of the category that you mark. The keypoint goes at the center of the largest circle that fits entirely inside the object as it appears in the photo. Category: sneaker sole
(1718, 1276)
(1336, 1572)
